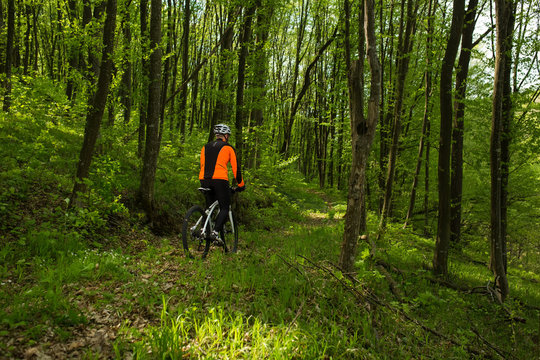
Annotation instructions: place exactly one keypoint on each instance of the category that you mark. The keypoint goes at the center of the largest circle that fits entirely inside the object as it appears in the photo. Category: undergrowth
(97, 281)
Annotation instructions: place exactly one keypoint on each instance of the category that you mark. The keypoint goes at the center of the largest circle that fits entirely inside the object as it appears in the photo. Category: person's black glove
(241, 188)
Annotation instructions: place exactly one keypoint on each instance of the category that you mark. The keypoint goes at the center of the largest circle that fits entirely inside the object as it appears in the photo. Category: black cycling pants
(220, 192)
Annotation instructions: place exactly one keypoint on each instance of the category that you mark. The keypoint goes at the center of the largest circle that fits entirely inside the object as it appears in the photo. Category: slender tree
(301, 30)
(298, 99)
(424, 139)
(260, 77)
(440, 257)
(458, 127)
(245, 42)
(126, 82)
(9, 53)
(97, 103)
(362, 132)
(185, 64)
(404, 48)
(144, 77)
(221, 108)
(499, 133)
(152, 145)
(73, 50)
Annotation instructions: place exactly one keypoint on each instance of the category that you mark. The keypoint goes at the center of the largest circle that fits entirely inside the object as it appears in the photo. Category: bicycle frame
(208, 225)
(204, 225)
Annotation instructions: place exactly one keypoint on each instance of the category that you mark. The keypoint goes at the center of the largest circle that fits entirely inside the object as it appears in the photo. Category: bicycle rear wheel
(194, 240)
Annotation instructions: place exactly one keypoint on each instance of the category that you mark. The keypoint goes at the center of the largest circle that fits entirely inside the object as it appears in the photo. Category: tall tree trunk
(97, 104)
(144, 78)
(440, 257)
(404, 48)
(387, 94)
(222, 109)
(296, 103)
(27, 46)
(73, 50)
(9, 53)
(126, 82)
(499, 123)
(506, 136)
(260, 74)
(151, 150)
(174, 122)
(244, 43)
(166, 69)
(362, 132)
(427, 111)
(458, 127)
(2, 26)
(427, 230)
(35, 40)
(92, 57)
(298, 57)
(185, 69)
(86, 18)
(340, 149)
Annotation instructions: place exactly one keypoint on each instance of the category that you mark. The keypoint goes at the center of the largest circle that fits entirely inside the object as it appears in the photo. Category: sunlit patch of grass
(219, 334)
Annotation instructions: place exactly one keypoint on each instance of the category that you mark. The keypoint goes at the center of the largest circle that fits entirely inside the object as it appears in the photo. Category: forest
(391, 155)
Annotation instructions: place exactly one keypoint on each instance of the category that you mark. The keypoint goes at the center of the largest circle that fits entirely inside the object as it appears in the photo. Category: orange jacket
(214, 159)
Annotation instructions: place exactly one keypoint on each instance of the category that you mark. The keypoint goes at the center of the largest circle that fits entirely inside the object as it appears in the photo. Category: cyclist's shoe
(216, 239)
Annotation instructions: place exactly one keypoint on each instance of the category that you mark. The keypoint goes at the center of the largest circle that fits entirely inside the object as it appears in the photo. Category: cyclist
(215, 156)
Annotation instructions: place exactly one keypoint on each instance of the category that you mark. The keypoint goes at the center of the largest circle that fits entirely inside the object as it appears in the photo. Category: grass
(96, 283)
(271, 300)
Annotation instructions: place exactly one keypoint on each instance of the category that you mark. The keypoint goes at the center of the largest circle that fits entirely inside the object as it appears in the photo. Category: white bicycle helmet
(222, 129)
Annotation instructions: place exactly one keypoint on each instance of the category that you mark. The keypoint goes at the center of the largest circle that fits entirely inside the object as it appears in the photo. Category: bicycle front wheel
(230, 233)
(194, 239)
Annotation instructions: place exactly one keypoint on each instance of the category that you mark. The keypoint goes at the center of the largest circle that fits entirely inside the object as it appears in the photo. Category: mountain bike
(199, 224)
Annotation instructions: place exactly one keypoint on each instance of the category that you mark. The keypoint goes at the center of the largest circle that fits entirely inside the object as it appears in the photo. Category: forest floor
(98, 314)
(279, 297)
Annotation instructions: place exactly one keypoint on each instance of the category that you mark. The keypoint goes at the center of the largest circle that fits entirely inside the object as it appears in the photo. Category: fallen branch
(375, 300)
(501, 353)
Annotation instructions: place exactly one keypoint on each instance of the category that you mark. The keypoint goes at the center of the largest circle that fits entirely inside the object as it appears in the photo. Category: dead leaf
(31, 352)
(75, 345)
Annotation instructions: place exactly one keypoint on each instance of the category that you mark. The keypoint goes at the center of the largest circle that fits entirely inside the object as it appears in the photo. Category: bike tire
(228, 236)
(195, 243)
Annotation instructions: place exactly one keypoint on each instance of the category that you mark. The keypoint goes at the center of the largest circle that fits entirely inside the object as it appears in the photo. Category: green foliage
(274, 299)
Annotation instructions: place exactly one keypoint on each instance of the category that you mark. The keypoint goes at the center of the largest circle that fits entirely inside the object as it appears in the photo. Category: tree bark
(362, 132)
(9, 53)
(126, 82)
(499, 124)
(2, 25)
(299, 41)
(98, 103)
(240, 85)
(143, 96)
(424, 140)
(185, 64)
(151, 150)
(260, 74)
(73, 51)
(166, 69)
(440, 257)
(404, 48)
(387, 96)
(221, 109)
(506, 136)
(27, 46)
(458, 126)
